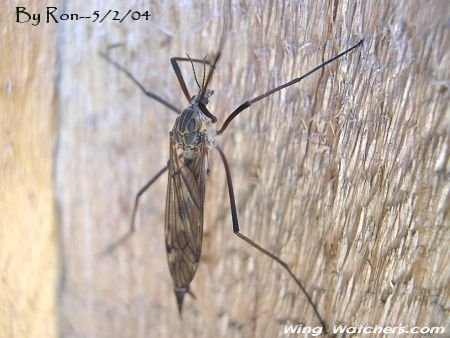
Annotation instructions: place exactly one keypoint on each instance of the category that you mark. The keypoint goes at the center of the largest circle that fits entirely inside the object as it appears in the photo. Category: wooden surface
(28, 233)
(345, 175)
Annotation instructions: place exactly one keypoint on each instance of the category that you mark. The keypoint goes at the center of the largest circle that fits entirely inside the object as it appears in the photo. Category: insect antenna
(193, 69)
(216, 59)
(204, 70)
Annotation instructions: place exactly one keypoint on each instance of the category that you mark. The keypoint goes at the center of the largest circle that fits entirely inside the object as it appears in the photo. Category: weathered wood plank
(345, 176)
(28, 236)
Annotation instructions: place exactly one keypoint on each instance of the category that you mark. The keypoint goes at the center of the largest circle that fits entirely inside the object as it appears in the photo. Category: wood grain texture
(345, 176)
(28, 237)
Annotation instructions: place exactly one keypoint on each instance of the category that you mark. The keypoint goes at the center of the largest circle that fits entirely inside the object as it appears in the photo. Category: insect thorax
(191, 129)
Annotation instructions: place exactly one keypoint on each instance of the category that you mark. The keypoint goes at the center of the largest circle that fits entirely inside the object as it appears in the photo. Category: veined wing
(184, 217)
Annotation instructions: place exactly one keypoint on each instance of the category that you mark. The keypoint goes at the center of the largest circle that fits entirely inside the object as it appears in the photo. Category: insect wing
(184, 215)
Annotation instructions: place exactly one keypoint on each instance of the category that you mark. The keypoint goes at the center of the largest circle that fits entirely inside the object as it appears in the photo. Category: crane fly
(190, 139)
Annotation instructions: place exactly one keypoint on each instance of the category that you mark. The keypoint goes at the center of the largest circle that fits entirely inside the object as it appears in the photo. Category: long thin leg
(207, 112)
(210, 73)
(145, 91)
(248, 103)
(257, 246)
(183, 84)
(132, 228)
(180, 78)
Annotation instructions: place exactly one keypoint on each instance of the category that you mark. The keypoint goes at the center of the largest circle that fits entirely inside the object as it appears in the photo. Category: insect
(190, 139)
